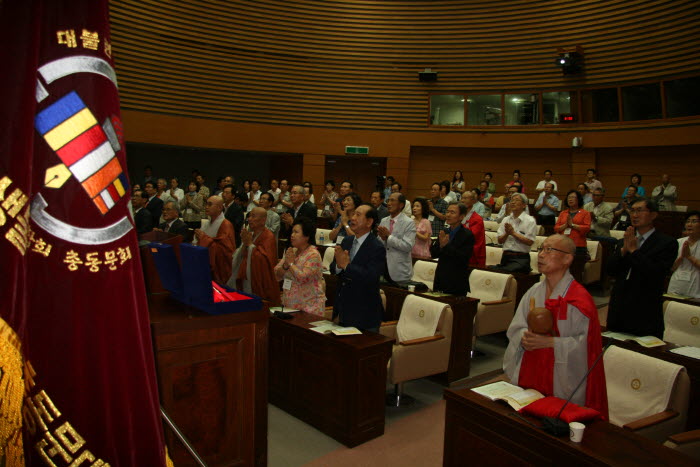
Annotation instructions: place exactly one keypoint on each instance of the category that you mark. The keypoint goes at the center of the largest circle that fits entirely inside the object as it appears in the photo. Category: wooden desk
(463, 312)
(692, 366)
(336, 384)
(212, 381)
(487, 433)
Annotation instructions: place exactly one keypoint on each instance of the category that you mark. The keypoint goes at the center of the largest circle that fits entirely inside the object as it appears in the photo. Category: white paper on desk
(286, 310)
(325, 328)
(692, 352)
(320, 323)
(620, 336)
(497, 390)
(349, 331)
(675, 295)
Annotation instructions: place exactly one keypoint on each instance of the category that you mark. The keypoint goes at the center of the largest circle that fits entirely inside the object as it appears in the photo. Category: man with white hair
(219, 237)
(516, 233)
(554, 361)
(171, 223)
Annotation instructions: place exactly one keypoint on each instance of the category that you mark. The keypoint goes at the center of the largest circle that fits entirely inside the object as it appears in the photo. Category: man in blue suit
(359, 261)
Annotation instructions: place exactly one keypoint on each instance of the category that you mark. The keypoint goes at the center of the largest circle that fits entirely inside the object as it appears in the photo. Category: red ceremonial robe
(476, 226)
(221, 250)
(264, 284)
(537, 366)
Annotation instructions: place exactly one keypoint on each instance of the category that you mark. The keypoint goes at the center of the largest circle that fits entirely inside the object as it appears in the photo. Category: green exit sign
(360, 150)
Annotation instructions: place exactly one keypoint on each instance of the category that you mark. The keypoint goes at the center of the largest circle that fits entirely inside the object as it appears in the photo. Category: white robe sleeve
(571, 356)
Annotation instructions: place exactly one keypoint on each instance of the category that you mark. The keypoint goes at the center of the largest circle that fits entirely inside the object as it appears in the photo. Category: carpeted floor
(415, 440)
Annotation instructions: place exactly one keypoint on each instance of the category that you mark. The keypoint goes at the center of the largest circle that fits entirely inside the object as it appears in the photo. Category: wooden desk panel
(336, 384)
(463, 312)
(212, 380)
(487, 432)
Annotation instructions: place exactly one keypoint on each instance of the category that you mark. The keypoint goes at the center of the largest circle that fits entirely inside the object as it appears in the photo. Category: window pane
(642, 102)
(485, 109)
(557, 103)
(447, 110)
(600, 105)
(522, 109)
(682, 97)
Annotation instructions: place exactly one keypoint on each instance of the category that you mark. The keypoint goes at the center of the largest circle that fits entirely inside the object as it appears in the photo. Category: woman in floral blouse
(301, 270)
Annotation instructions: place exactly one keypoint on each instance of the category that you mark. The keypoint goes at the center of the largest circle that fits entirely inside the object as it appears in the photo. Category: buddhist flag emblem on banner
(77, 376)
(72, 131)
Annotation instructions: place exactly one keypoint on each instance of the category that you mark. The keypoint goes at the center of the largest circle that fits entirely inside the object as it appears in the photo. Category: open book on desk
(515, 396)
(329, 327)
(644, 341)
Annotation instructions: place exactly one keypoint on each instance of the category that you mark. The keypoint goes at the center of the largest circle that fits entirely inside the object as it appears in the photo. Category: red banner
(77, 377)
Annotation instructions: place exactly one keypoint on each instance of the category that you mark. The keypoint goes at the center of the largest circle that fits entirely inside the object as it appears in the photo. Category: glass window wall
(447, 110)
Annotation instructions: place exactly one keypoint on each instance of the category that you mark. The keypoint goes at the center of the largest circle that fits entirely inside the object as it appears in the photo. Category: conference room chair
(593, 269)
(491, 237)
(422, 344)
(646, 395)
(328, 257)
(687, 442)
(617, 234)
(681, 323)
(490, 226)
(496, 293)
(533, 261)
(539, 240)
(540, 230)
(493, 255)
(424, 271)
(325, 233)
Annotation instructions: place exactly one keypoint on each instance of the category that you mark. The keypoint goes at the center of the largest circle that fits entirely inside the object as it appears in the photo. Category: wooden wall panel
(354, 63)
(434, 164)
(615, 165)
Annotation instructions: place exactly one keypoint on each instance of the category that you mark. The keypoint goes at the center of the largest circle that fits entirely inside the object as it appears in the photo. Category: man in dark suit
(233, 212)
(171, 213)
(453, 250)
(155, 204)
(640, 264)
(299, 208)
(142, 216)
(359, 261)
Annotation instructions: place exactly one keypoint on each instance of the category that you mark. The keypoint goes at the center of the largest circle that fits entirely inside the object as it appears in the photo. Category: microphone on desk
(556, 426)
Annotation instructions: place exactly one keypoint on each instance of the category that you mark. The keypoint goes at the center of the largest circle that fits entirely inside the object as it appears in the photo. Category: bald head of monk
(257, 218)
(556, 255)
(215, 206)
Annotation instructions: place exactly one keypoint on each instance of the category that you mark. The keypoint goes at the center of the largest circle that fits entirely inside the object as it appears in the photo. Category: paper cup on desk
(411, 288)
(576, 431)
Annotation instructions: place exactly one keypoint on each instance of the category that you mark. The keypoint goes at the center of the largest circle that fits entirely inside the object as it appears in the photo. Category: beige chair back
(682, 323)
(491, 237)
(487, 285)
(593, 269)
(328, 257)
(424, 271)
(419, 318)
(639, 386)
(617, 234)
(491, 226)
(425, 359)
(533, 261)
(539, 240)
(493, 255)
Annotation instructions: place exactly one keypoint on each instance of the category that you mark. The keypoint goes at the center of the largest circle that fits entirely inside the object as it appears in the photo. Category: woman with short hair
(301, 269)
